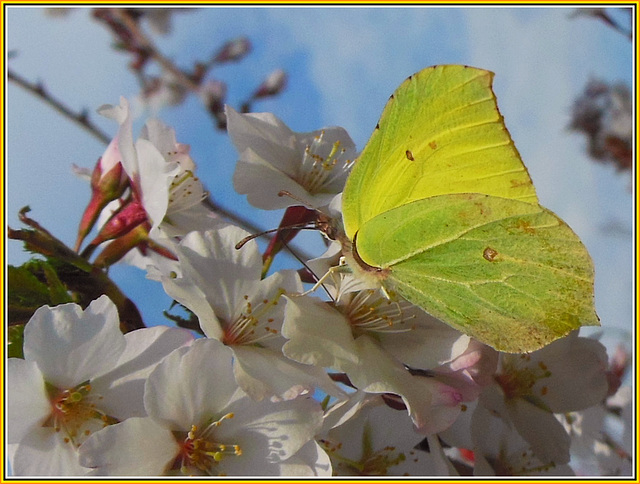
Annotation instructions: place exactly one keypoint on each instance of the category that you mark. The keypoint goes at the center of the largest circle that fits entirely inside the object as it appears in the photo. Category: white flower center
(200, 451)
(253, 325)
(368, 311)
(75, 414)
(320, 169)
(518, 381)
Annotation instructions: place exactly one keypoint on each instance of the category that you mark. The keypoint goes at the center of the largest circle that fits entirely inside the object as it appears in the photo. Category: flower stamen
(318, 171)
(368, 311)
(185, 191)
(74, 413)
(253, 325)
(519, 381)
(200, 449)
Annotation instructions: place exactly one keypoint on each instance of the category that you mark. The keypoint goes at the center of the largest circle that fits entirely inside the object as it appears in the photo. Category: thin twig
(147, 43)
(182, 78)
(80, 118)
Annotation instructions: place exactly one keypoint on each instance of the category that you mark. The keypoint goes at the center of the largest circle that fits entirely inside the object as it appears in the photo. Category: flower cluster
(282, 381)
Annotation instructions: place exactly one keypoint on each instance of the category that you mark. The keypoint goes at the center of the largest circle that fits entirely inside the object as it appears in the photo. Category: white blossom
(80, 373)
(365, 437)
(222, 286)
(313, 166)
(200, 423)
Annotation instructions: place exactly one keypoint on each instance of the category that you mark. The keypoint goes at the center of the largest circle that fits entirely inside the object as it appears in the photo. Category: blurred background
(562, 81)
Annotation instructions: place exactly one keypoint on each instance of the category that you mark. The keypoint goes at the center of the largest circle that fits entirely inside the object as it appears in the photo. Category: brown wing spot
(489, 254)
(526, 227)
(409, 155)
(433, 145)
(519, 183)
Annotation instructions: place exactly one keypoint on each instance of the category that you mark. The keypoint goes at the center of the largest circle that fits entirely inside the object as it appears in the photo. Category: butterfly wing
(509, 273)
(440, 132)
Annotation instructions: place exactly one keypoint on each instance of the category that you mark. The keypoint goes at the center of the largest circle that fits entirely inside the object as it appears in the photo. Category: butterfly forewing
(440, 132)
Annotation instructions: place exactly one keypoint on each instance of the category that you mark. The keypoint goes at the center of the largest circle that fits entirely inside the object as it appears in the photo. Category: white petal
(190, 385)
(156, 175)
(163, 137)
(187, 291)
(198, 218)
(264, 373)
(123, 387)
(344, 410)
(71, 346)
(27, 402)
(122, 115)
(318, 334)
(546, 436)
(266, 135)
(135, 447)
(221, 273)
(267, 432)
(563, 391)
(118, 113)
(432, 405)
(429, 344)
(458, 434)
(309, 461)
(262, 183)
(43, 453)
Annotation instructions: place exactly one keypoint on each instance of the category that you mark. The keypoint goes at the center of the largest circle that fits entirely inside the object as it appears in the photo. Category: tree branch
(81, 118)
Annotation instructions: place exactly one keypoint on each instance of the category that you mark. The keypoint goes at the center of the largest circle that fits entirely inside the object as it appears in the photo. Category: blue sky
(343, 63)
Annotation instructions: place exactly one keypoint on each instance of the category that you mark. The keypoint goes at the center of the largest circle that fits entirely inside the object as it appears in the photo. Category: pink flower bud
(213, 93)
(108, 182)
(272, 85)
(117, 249)
(138, 238)
(234, 50)
(126, 219)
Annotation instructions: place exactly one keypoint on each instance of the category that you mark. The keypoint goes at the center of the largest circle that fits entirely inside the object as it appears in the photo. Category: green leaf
(15, 339)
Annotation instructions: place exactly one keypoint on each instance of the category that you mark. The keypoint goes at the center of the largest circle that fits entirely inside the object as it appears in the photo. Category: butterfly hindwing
(509, 273)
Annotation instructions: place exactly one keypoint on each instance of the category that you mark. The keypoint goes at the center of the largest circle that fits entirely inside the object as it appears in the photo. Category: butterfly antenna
(248, 238)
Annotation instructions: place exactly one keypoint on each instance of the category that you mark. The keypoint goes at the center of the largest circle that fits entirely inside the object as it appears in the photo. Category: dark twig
(144, 41)
(81, 118)
(129, 31)
(79, 275)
